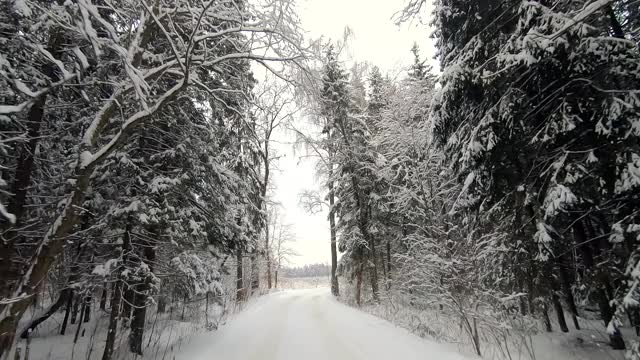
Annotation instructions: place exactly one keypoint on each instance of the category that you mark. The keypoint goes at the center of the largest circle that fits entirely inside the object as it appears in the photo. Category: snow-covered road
(310, 325)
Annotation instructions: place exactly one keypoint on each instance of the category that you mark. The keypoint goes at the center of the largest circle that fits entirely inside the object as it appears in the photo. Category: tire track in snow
(337, 345)
(268, 347)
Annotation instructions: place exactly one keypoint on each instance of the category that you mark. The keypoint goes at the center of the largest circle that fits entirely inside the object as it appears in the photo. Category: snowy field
(304, 282)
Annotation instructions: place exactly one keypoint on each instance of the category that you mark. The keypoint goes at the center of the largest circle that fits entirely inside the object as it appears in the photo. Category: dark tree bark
(240, 292)
(606, 312)
(373, 270)
(530, 296)
(268, 255)
(568, 293)
(103, 297)
(116, 295)
(389, 258)
(555, 299)
(359, 285)
(148, 255)
(76, 308)
(138, 319)
(384, 268)
(80, 321)
(116, 298)
(254, 273)
(559, 312)
(523, 307)
(162, 304)
(335, 286)
(67, 312)
(62, 299)
(545, 317)
(364, 229)
(87, 309)
(184, 307)
(127, 300)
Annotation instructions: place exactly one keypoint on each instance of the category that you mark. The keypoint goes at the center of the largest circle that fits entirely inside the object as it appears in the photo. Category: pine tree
(524, 126)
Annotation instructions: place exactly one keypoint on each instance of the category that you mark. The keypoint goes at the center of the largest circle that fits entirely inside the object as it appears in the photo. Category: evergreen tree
(525, 129)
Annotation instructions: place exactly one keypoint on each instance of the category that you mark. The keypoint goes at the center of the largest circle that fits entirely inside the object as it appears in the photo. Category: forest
(137, 158)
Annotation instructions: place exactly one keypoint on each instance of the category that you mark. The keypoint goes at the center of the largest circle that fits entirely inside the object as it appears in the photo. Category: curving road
(310, 325)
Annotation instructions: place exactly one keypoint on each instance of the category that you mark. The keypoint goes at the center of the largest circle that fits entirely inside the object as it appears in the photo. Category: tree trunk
(568, 293)
(268, 255)
(363, 225)
(67, 312)
(263, 205)
(545, 316)
(239, 277)
(384, 269)
(184, 307)
(63, 298)
(373, 269)
(606, 312)
(359, 284)
(27, 348)
(162, 304)
(634, 320)
(555, 299)
(530, 297)
(335, 286)
(138, 319)
(76, 308)
(254, 279)
(476, 336)
(127, 300)
(103, 297)
(559, 312)
(87, 309)
(389, 258)
(523, 306)
(148, 255)
(116, 295)
(80, 321)
(206, 310)
(269, 280)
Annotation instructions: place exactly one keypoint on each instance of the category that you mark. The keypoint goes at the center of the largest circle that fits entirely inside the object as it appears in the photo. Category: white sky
(377, 40)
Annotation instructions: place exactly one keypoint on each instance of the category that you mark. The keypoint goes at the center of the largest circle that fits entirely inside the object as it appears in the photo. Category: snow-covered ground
(165, 334)
(309, 324)
(589, 343)
(304, 282)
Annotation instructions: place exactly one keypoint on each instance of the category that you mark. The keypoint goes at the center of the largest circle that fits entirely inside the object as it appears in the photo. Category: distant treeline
(306, 271)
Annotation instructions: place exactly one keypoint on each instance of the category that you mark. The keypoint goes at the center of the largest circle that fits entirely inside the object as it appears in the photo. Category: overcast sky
(377, 40)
